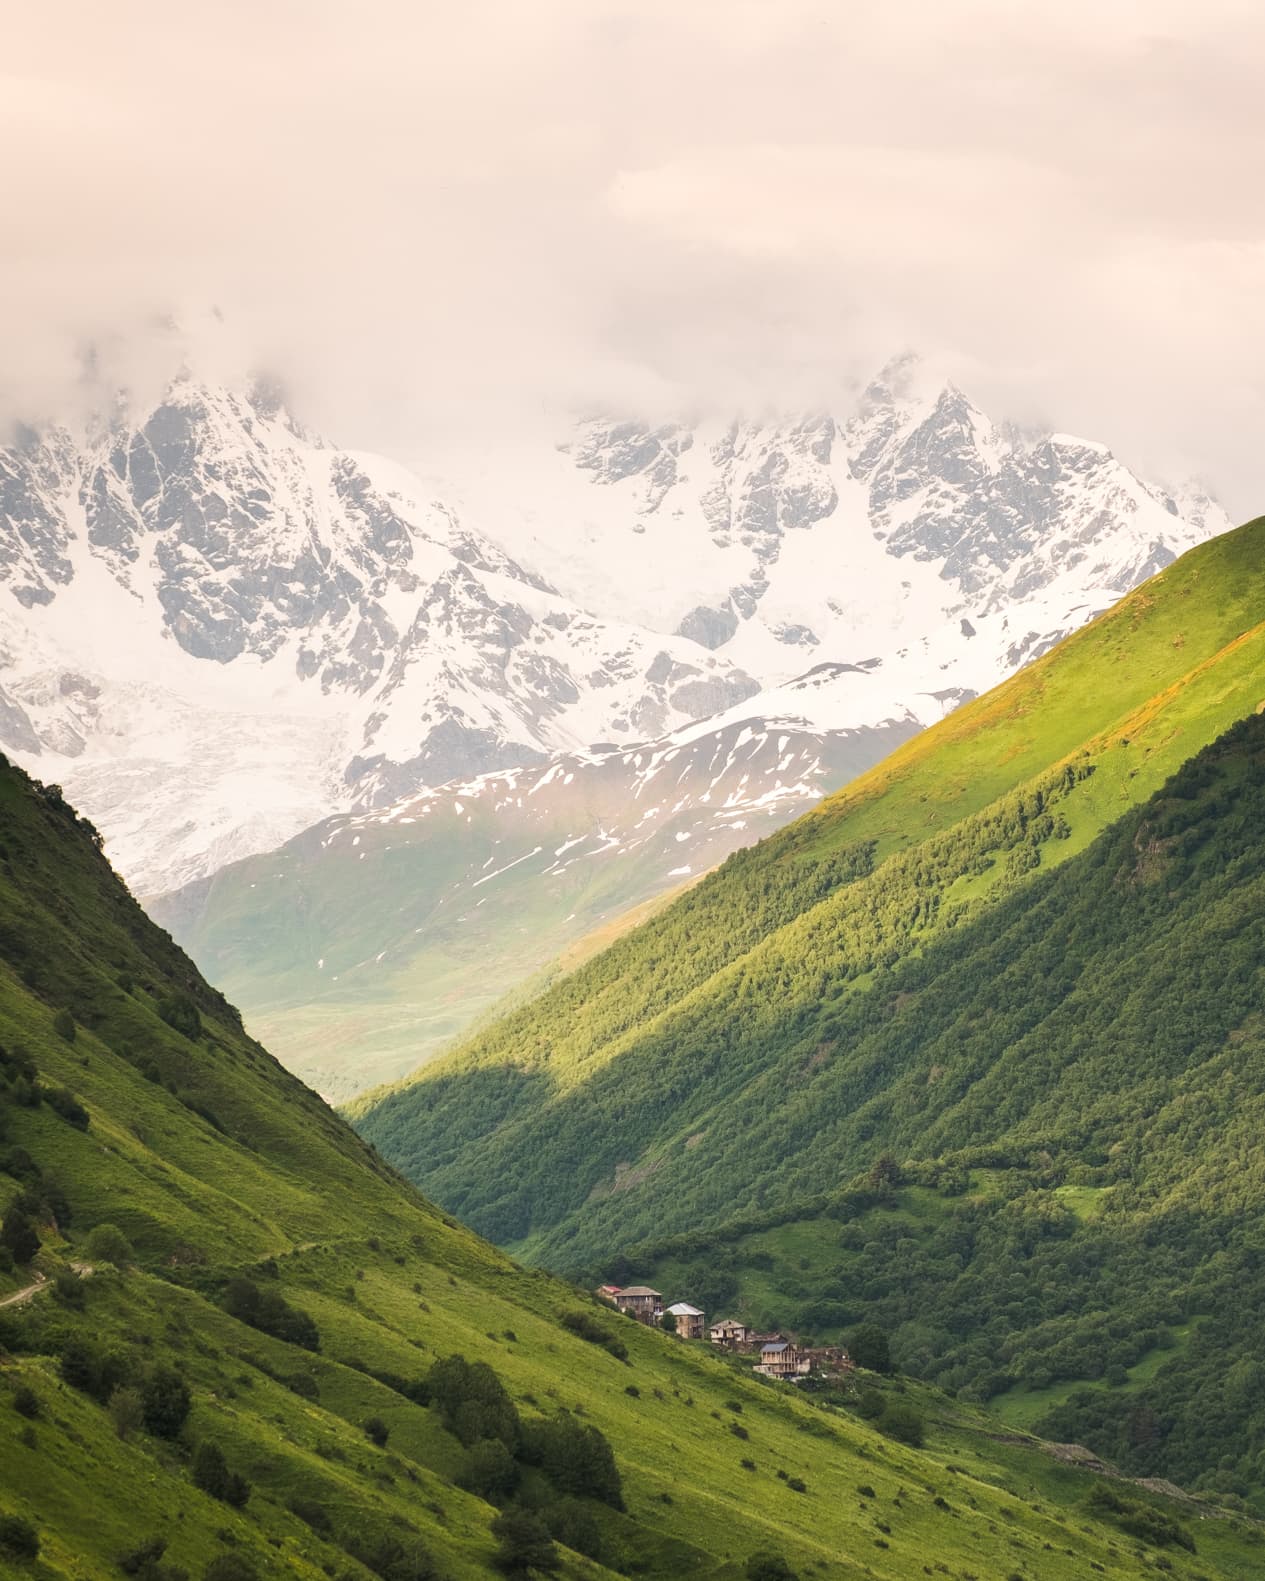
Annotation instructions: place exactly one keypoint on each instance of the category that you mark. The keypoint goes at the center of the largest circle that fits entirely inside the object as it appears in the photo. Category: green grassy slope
(584, 1119)
(129, 1096)
(368, 944)
(356, 962)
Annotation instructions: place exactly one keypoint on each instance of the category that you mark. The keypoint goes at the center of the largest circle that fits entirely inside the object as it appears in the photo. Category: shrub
(127, 1411)
(391, 1557)
(143, 1558)
(64, 1025)
(64, 1103)
(472, 1402)
(212, 1475)
(797, 1485)
(573, 1523)
(231, 1567)
(870, 1404)
(769, 1567)
(106, 1243)
(165, 1402)
(311, 1512)
(904, 1423)
(575, 1457)
(18, 1538)
(69, 1288)
(1140, 1520)
(181, 1014)
(79, 1366)
(304, 1384)
(492, 1472)
(868, 1346)
(377, 1431)
(18, 1234)
(588, 1328)
(524, 1544)
(26, 1402)
(269, 1312)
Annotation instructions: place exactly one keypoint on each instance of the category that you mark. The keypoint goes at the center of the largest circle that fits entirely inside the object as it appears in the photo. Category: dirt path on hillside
(25, 1294)
(42, 1282)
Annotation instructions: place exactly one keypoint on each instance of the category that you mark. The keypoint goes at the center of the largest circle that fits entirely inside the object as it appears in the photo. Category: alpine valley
(872, 862)
(971, 1052)
(235, 1346)
(380, 747)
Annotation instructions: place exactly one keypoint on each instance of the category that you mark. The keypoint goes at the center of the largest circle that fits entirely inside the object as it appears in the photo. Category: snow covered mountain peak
(216, 628)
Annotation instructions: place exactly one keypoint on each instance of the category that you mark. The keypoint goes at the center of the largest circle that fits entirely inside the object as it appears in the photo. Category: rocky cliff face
(216, 629)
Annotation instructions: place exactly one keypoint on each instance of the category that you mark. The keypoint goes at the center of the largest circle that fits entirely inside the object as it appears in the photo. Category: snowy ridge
(216, 629)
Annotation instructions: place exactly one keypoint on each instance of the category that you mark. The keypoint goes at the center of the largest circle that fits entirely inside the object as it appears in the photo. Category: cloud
(448, 218)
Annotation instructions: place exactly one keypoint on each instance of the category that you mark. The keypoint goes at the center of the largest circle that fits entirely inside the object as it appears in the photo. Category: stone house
(690, 1322)
(729, 1332)
(645, 1304)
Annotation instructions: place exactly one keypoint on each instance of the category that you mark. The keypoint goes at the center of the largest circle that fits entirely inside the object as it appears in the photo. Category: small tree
(69, 1288)
(769, 1567)
(18, 1234)
(181, 1014)
(492, 1472)
(868, 1346)
(165, 1402)
(212, 1475)
(573, 1523)
(64, 1025)
(143, 1559)
(26, 1402)
(127, 1412)
(18, 1538)
(525, 1544)
(106, 1243)
(904, 1423)
(210, 1469)
(668, 1324)
(377, 1431)
(231, 1567)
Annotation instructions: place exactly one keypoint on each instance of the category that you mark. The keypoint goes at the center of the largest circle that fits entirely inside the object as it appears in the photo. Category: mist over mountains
(221, 629)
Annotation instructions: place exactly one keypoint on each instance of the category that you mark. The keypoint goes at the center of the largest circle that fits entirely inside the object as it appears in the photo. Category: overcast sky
(460, 216)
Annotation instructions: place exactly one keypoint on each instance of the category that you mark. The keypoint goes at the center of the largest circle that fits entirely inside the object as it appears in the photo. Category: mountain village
(778, 1356)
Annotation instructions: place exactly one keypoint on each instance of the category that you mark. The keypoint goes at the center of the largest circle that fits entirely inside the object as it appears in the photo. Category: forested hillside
(615, 1104)
(973, 1051)
(235, 1346)
(1072, 1090)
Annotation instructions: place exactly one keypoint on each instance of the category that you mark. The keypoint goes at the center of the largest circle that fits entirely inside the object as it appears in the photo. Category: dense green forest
(1038, 1011)
(235, 1346)
(1073, 1085)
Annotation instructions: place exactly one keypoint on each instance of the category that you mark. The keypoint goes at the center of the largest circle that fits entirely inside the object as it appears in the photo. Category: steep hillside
(1068, 1089)
(601, 1112)
(222, 1321)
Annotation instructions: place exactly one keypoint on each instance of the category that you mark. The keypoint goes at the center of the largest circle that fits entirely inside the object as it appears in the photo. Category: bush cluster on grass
(595, 1332)
(211, 1473)
(267, 1310)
